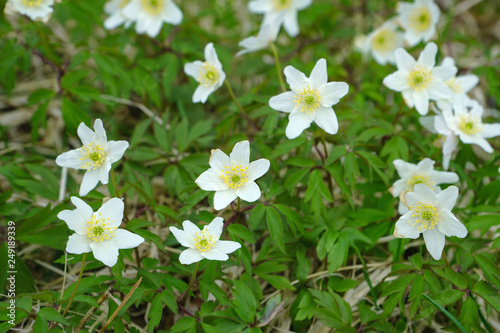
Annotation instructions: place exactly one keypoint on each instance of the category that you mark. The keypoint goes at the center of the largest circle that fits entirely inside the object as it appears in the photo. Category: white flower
(448, 139)
(96, 156)
(149, 15)
(267, 34)
(37, 10)
(460, 85)
(419, 20)
(311, 99)
(422, 173)
(203, 244)
(419, 80)
(382, 42)
(116, 17)
(233, 176)
(98, 232)
(209, 74)
(430, 214)
(286, 9)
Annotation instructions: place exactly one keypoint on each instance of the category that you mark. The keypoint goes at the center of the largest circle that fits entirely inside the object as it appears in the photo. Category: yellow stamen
(308, 100)
(93, 155)
(98, 228)
(204, 241)
(420, 19)
(420, 78)
(235, 175)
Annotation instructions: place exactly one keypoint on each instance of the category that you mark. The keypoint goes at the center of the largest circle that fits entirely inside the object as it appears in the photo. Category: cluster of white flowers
(37, 10)
(148, 15)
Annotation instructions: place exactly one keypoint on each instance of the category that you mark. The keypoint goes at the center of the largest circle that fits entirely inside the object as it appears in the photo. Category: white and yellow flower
(383, 42)
(114, 9)
(203, 244)
(233, 176)
(149, 15)
(311, 99)
(430, 215)
(419, 81)
(37, 10)
(419, 20)
(267, 34)
(208, 73)
(95, 156)
(98, 232)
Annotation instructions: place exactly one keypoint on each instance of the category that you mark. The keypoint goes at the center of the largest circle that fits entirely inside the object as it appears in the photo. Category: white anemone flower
(460, 85)
(149, 15)
(233, 176)
(209, 74)
(419, 81)
(422, 173)
(95, 156)
(267, 35)
(114, 9)
(430, 214)
(419, 20)
(311, 99)
(286, 10)
(203, 244)
(383, 42)
(98, 232)
(37, 10)
(448, 141)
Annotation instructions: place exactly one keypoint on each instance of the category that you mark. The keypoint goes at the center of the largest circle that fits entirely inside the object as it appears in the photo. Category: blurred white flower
(149, 15)
(460, 85)
(382, 42)
(96, 156)
(98, 232)
(419, 20)
(419, 80)
(209, 74)
(267, 34)
(311, 99)
(37, 10)
(422, 173)
(430, 214)
(448, 141)
(114, 9)
(233, 176)
(203, 244)
(280, 12)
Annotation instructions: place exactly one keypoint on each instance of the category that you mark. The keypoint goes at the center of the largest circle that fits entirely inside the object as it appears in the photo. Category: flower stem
(446, 259)
(324, 142)
(77, 284)
(114, 182)
(238, 105)
(278, 67)
(191, 282)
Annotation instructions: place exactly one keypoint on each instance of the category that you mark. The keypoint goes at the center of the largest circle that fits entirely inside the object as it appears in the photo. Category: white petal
(181, 237)
(298, 122)
(257, 169)
(172, 14)
(490, 130)
(296, 79)
(241, 154)
(125, 239)
(106, 252)
(332, 92)
(450, 225)
(475, 139)
(446, 200)
(190, 229)
(226, 246)
(434, 242)
(223, 198)
(319, 75)
(467, 82)
(291, 24)
(215, 255)
(104, 172)
(116, 149)
(408, 98)
(154, 27)
(89, 181)
(428, 123)
(404, 60)
(201, 93)
(78, 244)
(249, 192)
(73, 220)
(444, 72)
(405, 228)
(398, 186)
(446, 161)
(421, 100)
(425, 166)
(211, 55)
(428, 56)
(327, 120)
(251, 44)
(113, 208)
(70, 159)
(439, 90)
(440, 177)
(260, 6)
(404, 169)
(190, 256)
(450, 144)
(193, 68)
(283, 102)
(397, 81)
(85, 134)
(218, 160)
(114, 21)
(100, 133)
(215, 227)
(402, 209)
(211, 180)
(425, 194)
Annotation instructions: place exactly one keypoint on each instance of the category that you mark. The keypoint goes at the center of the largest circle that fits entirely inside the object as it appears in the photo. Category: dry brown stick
(91, 311)
(122, 304)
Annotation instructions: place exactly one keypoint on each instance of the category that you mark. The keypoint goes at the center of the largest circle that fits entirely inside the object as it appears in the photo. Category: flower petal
(404, 169)
(85, 134)
(223, 198)
(467, 82)
(125, 239)
(78, 244)
(89, 181)
(104, 172)
(190, 256)
(442, 177)
(215, 255)
(70, 159)
(450, 225)
(425, 166)
(298, 122)
(434, 242)
(218, 160)
(257, 169)
(116, 149)
(490, 130)
(210, 180)
(444, 72)
(172, 14)
(319, 75)
(332, 92)
(404, 60)
(291, 23)
(427, 57)
(446, 200)
(190, 230)
(439, 90)
(201, 93)
(425, 194)
(249, 192)
(327, 120)
(421, 100)
(106, 252)
(283, 102)
(193, 68)
(112, 209)
(100, 133)
(296, 79)
(215, 227)
(397, 81)
(398, 186)
(406, 229)
(181, 237)
(211, 55)
(241, 153)
(226, 246)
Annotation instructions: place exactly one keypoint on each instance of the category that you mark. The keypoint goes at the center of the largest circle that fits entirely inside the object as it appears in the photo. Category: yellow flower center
(281, 4)
(235, 175)
(208, 75)
(98, 228)
(418, 179)
(420, 19)
(384, 40)
(123, 3)
(31, 3)
(423, 215)
(94, 156)
(420, 78)
(153, 7)
(204, 241)
(308, 100)
(454, 85)
(470, 124)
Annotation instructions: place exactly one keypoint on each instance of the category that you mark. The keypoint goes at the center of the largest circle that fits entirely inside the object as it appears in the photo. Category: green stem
(114, 183)
(191, 282)
(77, 284)
(278, 67)
(446, 260)
(324, 142)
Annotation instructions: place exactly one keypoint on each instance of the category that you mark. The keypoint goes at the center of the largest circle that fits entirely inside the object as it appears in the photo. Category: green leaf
(452, 276)
(469, 317)
(491, 271)
(275, 227)
(40, 95)
(449, 315)
(416, 261)
(155, 312)
(351, 169)
(51, 314)
(242, 232)
(315, 185)
(488, 292)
